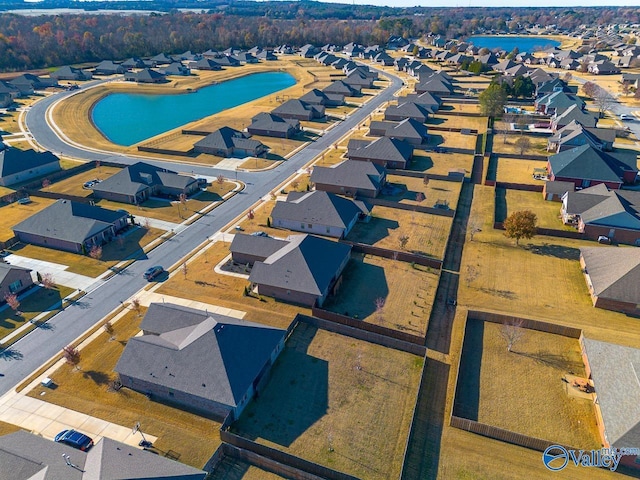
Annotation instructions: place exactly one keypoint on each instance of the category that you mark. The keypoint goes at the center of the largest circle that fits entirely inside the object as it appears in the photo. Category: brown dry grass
(454, 121)
(452, 139)
(331, 156)
(316, 395)
(440, 163)
(433, 191)
(204, 285)
(15, 213)
(192, 437)
(73, 185)
(427, 233)
(408, 293)
(538, 145)
(519, 171)
(547, 213)
(112, 253)
(7, 428)
(259, 221)
(233, 468)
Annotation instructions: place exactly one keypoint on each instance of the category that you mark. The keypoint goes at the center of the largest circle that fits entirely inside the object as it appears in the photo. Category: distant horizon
(445, 3)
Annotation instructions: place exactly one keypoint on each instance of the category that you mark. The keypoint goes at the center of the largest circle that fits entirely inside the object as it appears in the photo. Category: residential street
(40, 345)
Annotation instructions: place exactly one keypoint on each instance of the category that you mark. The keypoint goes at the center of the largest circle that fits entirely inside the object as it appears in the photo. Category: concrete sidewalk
(146, 297)
(58, 271)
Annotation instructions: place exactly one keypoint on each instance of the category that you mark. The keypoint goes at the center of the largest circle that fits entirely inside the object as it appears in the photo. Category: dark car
(153, 272)
(74, 439)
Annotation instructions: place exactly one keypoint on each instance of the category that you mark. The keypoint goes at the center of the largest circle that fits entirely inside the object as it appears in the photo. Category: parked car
(604, 239)
(153, 272)
(626, 117)
(260, 234)
(74, 439)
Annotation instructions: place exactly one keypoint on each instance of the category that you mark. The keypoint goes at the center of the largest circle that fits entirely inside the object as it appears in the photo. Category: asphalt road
(41, 344)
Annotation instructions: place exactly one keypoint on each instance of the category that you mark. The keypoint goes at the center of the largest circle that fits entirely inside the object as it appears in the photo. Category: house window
(310, 225)
(328, 230)
(15, 286)
(170, 394)
(302, 226)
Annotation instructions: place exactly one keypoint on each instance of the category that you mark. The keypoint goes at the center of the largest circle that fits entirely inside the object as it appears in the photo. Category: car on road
(626, 117)
(153, 272)
(74, 439)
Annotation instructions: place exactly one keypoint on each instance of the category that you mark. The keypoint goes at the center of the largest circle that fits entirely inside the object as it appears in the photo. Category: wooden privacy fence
(395, 254)
(528, 323)
(519, 186)
(416, 208)
(451, 177)
(469, 131)
(548, 232)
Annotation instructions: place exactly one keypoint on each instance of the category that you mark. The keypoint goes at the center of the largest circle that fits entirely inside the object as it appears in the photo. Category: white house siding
(30, 174)
(314, 228)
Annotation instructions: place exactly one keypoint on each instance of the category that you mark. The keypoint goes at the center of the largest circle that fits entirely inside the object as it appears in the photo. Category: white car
(626, 116)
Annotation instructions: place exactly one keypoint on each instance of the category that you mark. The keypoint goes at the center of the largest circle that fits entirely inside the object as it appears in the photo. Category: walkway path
(146, 297)
(58, 272)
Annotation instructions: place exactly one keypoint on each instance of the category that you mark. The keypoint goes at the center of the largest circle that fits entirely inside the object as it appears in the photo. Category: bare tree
(135, 305)
(472, 274)
(512, 332)
(404, 239)
(96, 252)
(46, 182)
(71, 355)
(108, 328)
(379, 304)
(420, 197)
(523, 143)
(603, 100)
(184, 269)
(568, 77)
(425, 180)
(474, 226)
(47, 281)
(12, 301)
(182, 200)
(220, 179)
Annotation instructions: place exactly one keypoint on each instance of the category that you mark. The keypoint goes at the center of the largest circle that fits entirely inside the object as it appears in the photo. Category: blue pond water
(128, 118)
(509, 42)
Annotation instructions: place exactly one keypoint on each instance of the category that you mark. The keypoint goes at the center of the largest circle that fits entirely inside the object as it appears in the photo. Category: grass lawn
(259, 221)
(192, 437)
(548, 213)
(406, 189)
(428, 234)
(9, 122)
(408, 293)
(454, 121)
(204, 285)
(233, 468)
(440, 163)
(256, 163)
(542, 275)
(331, 157)
(537, 146)
(317, 397)
(73, 185)
(522, 390)
(39, 300)
(15, 213)
(519, 171)
(452, 139)
(112, 253)
(7, 428)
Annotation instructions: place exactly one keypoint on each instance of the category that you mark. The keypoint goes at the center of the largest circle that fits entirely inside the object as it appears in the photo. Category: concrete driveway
(59, 272)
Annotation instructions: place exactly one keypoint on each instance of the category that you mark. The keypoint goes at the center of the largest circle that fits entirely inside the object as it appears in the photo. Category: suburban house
(575, 134)
(21, 165)
(603, 67)
(134, 62)
(428, 100)
(299, 110)
(203, 361)
(434, 84)
(175, 69)
(410, 130)
(355, 179)
(14, 279)
(162, 59)
(71, 226)
(26, 456)
(146, 75)
(229, 142)
(206, 64)
(586, 166)
(70, 73)
(612, 275)
(613, 370)
(271, 125)
(554, 191)
(136, 183)
(557, 102)
(358, 79)
(384, 151)
(108, 67)
(318, 97)
(407, 110)
(29, 81)
(319, 213)
(573, 114)
(598, 211)
(305, 270)
(341, 88)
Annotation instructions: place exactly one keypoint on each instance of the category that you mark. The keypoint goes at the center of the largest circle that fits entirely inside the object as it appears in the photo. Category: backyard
(337, 401)
(522, 390)
(15, 212)
(427, 234)
(518, 170)
(547, 213)
(74, 185)
(440, 163)
(406, 189)
(386, 292)
(190, 437)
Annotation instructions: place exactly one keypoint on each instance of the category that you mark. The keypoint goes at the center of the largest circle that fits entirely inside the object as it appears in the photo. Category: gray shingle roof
(614, 369)
(70, 221)
(296, 107)
(350, 175)
(588, 163)
(307, 264)
(5, 269)
(13, 160)
(226, 137)
(255, 246)
(274, 123)
(383, 148)
(318, 207)
(614, 272)
(407, 128)
(574, 113)
(599, 206)
(203, 354)
(408, 110)
(133, 179)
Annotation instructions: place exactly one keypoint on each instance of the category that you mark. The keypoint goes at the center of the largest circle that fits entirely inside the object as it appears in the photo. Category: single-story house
(354, 179)
(434, 84)
(573, 114)
(554, 191)
(133, 62)
(248, 249)
(271, 125)
(598, 211)
(136, 183)
(108, 67)
(428, 100)
(319, 213)
(384, 151)
(557, 102)
(227, 61)
(613, 276)
(175, 69)
(229, 142)
(409, 130)
(162, 59)
(70, 73)
(586, 166)
(146, 75)
(21, 165)
(406, 110)
(206, 64)
(575, 134)
(267, 55)
(203, 361)
(318, 97)
(71, 226)
(29, 456)
(14, 279)
(299, 110)
(359, 80)
(304, 271)
(603, 67)
(613, 370)
(28, 83)
(342, 88)
(246, 57)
